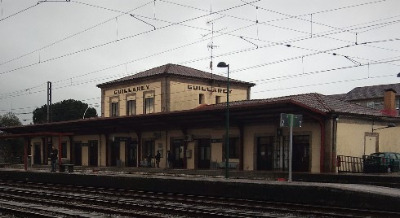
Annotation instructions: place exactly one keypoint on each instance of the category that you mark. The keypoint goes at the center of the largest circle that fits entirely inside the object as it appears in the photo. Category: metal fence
(350, 164)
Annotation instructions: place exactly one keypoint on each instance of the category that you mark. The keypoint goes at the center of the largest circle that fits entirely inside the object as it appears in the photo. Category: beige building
(181, 111)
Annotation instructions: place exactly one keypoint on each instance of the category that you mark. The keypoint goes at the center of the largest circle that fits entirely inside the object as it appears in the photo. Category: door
(204, 153)
(37, 153)
(370, 144)
(78, 153)
(265, 153)
(301, 153)
(115, 152)
(177, 153)
(93, 153)
(131, 153)
(148, 151)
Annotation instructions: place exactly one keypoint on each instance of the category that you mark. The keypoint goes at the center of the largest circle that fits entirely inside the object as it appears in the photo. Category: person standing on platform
(158, 157)
(53, 157)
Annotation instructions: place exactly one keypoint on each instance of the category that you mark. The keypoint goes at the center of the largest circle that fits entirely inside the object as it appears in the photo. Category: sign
(290, 120)
(294, 120)
(131, 89)
(208, 89)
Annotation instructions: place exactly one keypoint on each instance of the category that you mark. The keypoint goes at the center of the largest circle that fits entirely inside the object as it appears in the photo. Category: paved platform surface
(256, 185)
(235, 176)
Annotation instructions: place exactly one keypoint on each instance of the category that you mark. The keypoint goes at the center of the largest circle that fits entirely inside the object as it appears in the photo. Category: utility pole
(48, 100)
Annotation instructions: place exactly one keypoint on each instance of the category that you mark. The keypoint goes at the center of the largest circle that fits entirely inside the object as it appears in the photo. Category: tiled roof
(314, 101)
(371, 92)
(174, 69)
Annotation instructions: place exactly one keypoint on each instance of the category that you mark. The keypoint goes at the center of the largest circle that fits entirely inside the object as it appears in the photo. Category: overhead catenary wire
(113, 41)
(353, 41)
(72, 35)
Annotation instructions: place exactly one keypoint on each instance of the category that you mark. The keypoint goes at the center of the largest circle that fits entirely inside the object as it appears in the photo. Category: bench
(231, 165)
(68, 166)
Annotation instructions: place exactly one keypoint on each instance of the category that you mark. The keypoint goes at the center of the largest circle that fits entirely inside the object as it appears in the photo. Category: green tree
(11, 150)
(64, 110)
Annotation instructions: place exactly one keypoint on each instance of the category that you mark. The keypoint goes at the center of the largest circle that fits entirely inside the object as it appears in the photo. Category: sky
(285, 47)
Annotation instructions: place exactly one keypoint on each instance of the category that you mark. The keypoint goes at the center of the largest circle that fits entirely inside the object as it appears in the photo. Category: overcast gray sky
(286, 47)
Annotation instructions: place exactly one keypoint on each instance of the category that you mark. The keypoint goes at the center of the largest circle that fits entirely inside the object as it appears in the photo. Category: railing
(350, 164)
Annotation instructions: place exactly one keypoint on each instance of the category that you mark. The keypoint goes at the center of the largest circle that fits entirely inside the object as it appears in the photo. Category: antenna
(211, 45)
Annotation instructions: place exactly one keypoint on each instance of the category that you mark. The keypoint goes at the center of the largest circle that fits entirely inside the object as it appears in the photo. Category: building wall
(122, 93)
(356, 136)
(350, 136)
(185, 93)
(180, 94)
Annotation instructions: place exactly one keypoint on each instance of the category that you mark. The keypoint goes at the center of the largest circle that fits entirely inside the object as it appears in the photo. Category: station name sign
(208, 89)
(131, 89)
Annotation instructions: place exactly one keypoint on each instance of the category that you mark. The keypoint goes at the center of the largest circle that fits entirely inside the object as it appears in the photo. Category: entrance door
(131, 153)
(93, 153)
(148, 151)
(78, 153)
(370, 144)
(204, 153)
(301, 153)
(37, 154)
(265, 153)
(177, 153)
(115, 152)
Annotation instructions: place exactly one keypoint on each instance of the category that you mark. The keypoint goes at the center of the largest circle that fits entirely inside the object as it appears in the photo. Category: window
(201, 98)
(131, 107)
(148, 102)
(217, 99)
(114, 109)
(233, 148)
(371, 104)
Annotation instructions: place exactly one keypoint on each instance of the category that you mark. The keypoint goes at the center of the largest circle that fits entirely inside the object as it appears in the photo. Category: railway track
(50, 200)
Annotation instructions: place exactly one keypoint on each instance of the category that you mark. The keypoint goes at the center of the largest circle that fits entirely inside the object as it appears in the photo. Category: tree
(11, 150)
(62, 111)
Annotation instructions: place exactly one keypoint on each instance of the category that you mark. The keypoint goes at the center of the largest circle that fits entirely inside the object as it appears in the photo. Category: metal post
(48, 100)
(227, 130)
(290, 146)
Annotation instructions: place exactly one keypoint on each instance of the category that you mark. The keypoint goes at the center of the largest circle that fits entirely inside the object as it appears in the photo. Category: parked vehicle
(381, 162)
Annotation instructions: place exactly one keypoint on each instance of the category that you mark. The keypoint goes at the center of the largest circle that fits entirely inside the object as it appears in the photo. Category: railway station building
(181, 112)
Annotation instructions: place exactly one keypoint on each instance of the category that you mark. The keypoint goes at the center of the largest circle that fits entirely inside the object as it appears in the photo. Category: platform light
(224, 65)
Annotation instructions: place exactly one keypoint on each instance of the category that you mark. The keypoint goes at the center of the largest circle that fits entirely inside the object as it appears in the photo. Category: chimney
(389, 103)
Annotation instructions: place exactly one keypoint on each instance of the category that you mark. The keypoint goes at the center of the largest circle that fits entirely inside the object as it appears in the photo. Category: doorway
(265, 152)
(131, 153)
(204, 153)
(93, 153)
(37, 153)
(301, 153)
(78, 153)
(177, 148)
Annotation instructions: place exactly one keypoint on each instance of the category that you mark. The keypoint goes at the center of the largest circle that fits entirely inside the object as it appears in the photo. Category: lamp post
(223, 65)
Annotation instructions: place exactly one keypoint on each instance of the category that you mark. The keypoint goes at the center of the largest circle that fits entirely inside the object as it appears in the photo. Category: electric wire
(19, 12)
(114, 41)
(72, 35)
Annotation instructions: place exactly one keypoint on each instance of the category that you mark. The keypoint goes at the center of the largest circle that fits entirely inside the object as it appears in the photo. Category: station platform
(337, 190)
